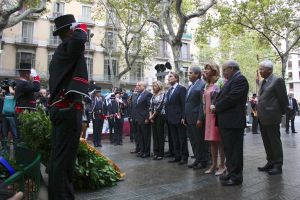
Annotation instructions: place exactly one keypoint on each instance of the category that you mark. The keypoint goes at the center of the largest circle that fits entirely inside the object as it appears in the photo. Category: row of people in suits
(184, 111)
(111, 108)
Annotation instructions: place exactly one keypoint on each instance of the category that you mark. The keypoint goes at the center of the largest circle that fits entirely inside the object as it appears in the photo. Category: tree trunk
(177, 60)
(284, 60)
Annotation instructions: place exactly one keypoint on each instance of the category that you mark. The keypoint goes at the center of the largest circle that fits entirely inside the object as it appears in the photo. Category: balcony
(124, 80)
(55, 14)
(54, 42)
(5, 73)
(84, 19)
(26, 41)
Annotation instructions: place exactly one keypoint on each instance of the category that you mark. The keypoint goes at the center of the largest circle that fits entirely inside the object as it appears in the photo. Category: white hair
(266, 63)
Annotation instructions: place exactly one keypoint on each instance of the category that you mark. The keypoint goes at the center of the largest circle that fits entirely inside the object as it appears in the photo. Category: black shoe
(174, 161)
(145, 156)
(294, 132)
(168, 155)
(183, 162)
(159, 158)
(224, 177)
(231, 182)
(200, 166)
(154, 157)
(275, 171)
(139, 154)
(134, 151)
(265, 168)
(99, 145)
(193, 164)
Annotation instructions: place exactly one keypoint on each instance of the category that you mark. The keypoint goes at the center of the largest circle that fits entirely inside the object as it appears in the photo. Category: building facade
(293, 74)
(31, 41)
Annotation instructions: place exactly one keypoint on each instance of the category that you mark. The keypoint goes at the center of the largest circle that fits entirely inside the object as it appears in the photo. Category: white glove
(212, 107)
(33, 73)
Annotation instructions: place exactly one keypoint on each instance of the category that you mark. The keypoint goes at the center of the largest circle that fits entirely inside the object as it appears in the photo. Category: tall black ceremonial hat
(24, 67)
(62, 22)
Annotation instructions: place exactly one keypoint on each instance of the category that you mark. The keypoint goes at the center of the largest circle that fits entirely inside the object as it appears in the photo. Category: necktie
(170, 93)
(190, 88)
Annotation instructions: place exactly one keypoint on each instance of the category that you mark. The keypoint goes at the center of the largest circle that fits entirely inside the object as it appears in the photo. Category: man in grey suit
(142, 118)
(194, 118)
(272, 104)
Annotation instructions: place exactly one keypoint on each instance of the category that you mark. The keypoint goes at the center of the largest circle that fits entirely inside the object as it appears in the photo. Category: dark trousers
(178, 133)
(66, 129)
(134, 129)
(9, 123)
(271, 138)
(254, 124)
(144, 135)
(131, 136)
(97, 129)
(170, 141)
(233, 139)
(158, 131)
(199, 145)
(290, 116)
(118, 130)
(111, 124)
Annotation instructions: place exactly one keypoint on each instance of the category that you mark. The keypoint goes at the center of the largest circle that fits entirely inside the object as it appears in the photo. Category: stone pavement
(149, 179)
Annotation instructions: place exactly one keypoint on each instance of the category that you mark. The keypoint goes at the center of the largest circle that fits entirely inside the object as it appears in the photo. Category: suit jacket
(295, 105)
(25, 90)
(175, 105)
(272, 101)
(231, 102)
(142, 107)
(194, 103)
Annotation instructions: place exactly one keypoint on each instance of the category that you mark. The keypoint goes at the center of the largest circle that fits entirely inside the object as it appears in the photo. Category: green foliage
(92, 171)
(36, 131)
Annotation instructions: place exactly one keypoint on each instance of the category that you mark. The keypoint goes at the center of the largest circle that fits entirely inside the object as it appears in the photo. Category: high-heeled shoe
(210, 170)
(220, 171)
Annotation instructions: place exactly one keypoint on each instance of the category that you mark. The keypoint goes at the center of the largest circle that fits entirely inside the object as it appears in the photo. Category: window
(25, 57)
(111, 18)
(107, 71)
(163, 49)
(137, 72)
(290, 64)
(110, 43)
(27, 32)
(290, 75)
(185, 51)
(291, 86)
(59, 9)
(86, 12)
(89, 63)
(54, 40)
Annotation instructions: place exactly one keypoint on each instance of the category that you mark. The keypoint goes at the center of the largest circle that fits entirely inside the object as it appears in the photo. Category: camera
(6, 83)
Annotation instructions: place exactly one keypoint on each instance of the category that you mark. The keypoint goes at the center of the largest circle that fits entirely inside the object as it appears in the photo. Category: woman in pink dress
(212, 134)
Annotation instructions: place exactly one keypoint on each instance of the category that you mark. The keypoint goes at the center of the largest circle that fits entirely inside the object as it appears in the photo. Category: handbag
(9, 105)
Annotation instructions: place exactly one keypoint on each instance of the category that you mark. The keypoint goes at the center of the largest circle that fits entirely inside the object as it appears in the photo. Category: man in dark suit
(291, 111)
(133, 122)
(231, 119)
(194, 118)
(174, 108)
(142, 118)
(272, 104)
(96, 115)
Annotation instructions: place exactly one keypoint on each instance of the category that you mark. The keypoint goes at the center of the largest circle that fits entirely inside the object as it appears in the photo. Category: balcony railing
(7, 72)
(54, 41)
(124, 80)
(25, 40)
(57, 14)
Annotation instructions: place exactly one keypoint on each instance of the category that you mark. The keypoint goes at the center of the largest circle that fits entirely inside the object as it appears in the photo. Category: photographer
(8, 114)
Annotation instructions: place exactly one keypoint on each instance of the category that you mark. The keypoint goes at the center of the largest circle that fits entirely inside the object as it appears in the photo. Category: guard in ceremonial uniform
(97, 116)
(25, 87)
(68, 84)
